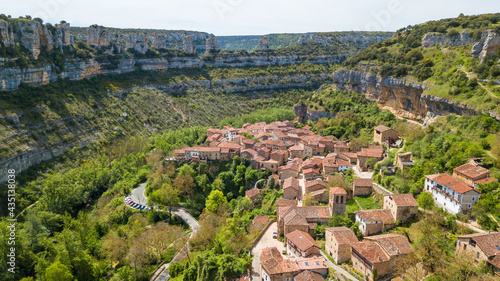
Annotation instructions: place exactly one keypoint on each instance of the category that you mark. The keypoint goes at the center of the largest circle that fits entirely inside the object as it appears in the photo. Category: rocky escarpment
(263, 43)
(12, 78)
(432, 39)
(403, 98)
(488, 45)
(211, 45)
(34, 36)
(119, 42)
(329, 40)
(306, 114)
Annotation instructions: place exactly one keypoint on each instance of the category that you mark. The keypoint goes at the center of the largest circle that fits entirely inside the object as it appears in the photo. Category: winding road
(161, 274)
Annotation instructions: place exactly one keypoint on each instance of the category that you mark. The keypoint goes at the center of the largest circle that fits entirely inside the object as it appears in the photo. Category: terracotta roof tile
(251, 193)
(403, 200)
(282, 202)
(337, 190)
(302, 240)
(450, 182)
(362, 182)
(371, 251)
(259, 219)
(392, 244)
(472, 171)
(291, 183)
(382, 128)
(489, 243)
(308, 276)
(343, 235)
(383, 215)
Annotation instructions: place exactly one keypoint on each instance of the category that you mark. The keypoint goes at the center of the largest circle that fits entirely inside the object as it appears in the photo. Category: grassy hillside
(447, 71)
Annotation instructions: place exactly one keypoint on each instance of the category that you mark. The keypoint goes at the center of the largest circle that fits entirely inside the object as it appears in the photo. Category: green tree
(425, 201)
(58, 272)
(214, 200)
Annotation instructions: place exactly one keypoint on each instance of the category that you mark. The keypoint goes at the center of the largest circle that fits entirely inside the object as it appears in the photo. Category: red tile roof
(343, 235)
(282, 202)
(302, 240)
(259, 219)
(383, 215)
(382, 128)
(403, 200)
(392, 244)
(372, 153)
(472, 171)
(362, 182)
(308, 276)
(312, 263)
(450, 182)
(254, 192)
(485, 180)
(291, 183)
(310, 212)
(489, 243)
(311, 170)
(370, 251)
(337, 190)
(309, 184)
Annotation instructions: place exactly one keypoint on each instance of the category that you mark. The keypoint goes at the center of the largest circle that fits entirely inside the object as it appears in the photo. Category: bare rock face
(263, 43)
(432, 39)
(488, 45)
(188, 44)
(6, 33)
(402, 98)
(98, 36)
(211, 45)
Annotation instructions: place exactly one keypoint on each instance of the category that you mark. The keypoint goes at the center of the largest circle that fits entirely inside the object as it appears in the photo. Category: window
(477, 254)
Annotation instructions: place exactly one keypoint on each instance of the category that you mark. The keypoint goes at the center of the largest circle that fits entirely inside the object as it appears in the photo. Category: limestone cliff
(306, 114)
(403, 98)
(432, 39)
(211, 45)
(188, 44)
(263, 43)
(488, 45)
(33, 35)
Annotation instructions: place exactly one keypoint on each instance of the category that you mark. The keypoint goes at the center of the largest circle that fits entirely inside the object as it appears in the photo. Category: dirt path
(471, 75)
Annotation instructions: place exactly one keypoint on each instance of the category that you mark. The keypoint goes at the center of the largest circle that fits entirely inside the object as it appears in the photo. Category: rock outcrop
(402, 98)
(11, 78)
(302, 39)
(33, 35)
(263, 43)
(211, 45)
(306, 114)
(488, 45)
(432, 39)
(188, 44)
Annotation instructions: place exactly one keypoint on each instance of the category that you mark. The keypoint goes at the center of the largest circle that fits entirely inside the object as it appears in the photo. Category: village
(303, 164)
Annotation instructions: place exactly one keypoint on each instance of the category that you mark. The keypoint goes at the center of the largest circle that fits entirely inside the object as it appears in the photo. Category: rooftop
(302, 240)
(382, 215)
(337, 190)
(382, 128)
(251, 193)
(392, 244)
(362, 182)
(450, 182)
(403, 200)
(489, 243)
(291, 183)
(308, 276)
(472, 171)
(343, 235)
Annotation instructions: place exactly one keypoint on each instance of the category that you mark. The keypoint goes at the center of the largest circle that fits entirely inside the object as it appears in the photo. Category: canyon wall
(12, 78)
(401, 97)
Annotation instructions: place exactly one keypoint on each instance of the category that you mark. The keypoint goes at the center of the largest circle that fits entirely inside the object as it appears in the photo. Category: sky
(248, 17)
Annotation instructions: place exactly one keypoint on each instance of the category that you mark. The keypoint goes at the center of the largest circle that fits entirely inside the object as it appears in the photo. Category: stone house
(301, 218)
(271, 165)
(248, 154)
(296, 151)
(472, 174)
(384, 134)
(281, 156)
(315, 185)
(362, 187)
(338, 242)
(374, 221)
(301, 244)
(378, 256)
(481, 246)
(291, 188)
(289, 171)
(404, 160)
(337, 200)
(402, 206)
(273, 267)
(254, 194)
(368, 157)
(311, 174)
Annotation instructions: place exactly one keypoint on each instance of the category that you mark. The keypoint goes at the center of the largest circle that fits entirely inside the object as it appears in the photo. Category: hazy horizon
(239, 17)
